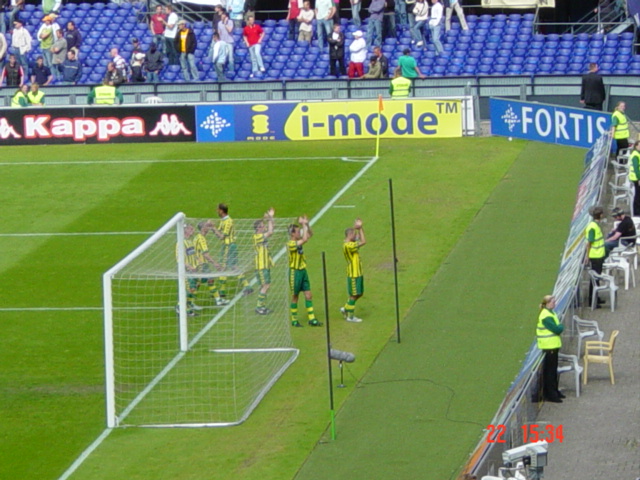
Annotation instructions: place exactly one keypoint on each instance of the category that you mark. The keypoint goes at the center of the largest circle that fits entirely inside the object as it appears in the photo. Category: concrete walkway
(602, 427)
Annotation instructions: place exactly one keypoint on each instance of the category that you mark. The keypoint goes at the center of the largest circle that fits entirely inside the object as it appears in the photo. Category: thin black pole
(395, 259)
(326, 317)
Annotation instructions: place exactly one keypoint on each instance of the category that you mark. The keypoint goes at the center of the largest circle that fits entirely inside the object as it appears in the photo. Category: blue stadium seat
(500, 69)
(470, 69)
(475, 53)
(511, 31)
(502, 61)
(517, 60)
(529, 68)
(514, 70)
(564, 51)
(607, 58)
(484, 69)
(609, 51)
(473, 61)
(544, 68)
(626, 36)
(515, 17)
(454, 70)
(520, 52)
(565, 44)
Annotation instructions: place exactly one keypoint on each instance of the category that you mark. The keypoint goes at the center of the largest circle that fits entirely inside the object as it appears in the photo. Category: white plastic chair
(586, 329)
(623, 192)
(613, 263)
(607, 283)
(569, 363)
(620, 169)
(629, 251)
(153, 100)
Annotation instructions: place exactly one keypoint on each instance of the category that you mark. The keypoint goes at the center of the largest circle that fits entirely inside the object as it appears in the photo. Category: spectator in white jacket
(421, 12)
(357, 55)
(21, 45)
(435, 25)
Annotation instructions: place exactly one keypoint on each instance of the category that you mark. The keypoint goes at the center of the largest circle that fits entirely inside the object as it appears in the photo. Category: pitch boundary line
(96, 443)
(72, 234)
(182, 160)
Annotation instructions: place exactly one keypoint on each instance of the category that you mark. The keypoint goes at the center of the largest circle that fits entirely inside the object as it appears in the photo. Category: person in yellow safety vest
(548, 331)
(104, 94)
(596, 251)
(620, 126)
(634, 177)
(36, 96)
(19, 98)
(400, 86)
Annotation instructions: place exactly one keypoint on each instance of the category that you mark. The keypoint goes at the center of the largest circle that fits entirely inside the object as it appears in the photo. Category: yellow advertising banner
(398, 119)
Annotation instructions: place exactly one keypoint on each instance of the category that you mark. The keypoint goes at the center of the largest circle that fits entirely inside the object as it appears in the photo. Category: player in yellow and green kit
(205, 262)
(298, 277)
(263, 259)
(229, 253)
(353, 239)
(191, 266)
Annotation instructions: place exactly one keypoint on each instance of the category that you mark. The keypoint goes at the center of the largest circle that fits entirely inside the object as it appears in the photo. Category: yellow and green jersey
(263, 258)
(202, 248)
(190, 257)
(352, 256)
(226, 228)
(296, 256)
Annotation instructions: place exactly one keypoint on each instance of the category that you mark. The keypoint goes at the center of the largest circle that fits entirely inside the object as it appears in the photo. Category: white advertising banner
(518, 3)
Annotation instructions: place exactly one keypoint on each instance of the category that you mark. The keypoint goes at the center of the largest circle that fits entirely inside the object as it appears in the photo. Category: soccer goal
(177, 353)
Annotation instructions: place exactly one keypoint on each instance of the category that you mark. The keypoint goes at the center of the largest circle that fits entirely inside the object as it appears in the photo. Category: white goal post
(177, 355)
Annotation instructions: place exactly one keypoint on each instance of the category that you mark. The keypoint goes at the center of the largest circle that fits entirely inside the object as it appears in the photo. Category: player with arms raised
(263, 259)
(353, 239)
(298, 277)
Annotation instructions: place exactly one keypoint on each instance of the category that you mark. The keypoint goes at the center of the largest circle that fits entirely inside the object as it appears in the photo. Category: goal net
(177, 352)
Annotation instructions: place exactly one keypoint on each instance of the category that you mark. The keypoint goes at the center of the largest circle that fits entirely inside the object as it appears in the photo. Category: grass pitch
(51, 382)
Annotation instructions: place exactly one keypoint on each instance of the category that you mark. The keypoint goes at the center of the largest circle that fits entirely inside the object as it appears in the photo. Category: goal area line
(94, 445)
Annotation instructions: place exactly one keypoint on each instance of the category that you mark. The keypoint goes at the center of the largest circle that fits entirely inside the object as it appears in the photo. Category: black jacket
(191, 42)
(592, 91)
(336, 47)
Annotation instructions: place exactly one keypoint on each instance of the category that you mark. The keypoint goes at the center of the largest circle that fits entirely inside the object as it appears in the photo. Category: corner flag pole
(395, 258)
(380, 108)
(326, 317)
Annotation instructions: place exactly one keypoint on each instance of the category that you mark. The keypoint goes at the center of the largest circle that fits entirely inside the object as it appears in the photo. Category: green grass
(51, 382)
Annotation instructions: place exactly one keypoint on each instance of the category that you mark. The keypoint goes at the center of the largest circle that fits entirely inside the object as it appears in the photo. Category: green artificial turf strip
(435, 203)
(421, 408)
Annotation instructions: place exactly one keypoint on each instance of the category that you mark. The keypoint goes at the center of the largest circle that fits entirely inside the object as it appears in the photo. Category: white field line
(91, 448)
(181, 160)
(72, 234)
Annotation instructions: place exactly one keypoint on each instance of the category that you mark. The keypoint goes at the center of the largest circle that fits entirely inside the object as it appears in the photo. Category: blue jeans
(159, 42)
(324, 28)
(220, 72)
(232, 65)
(3, 22)
(374, 33)
(47, 57)
(22, 60)
(188, 65)
(152, 77)
(355, 13)
(401, 12)
(256, 58)
(389, 26)
(293, 29)
(172, 54)
(417, 31)
(435, 37)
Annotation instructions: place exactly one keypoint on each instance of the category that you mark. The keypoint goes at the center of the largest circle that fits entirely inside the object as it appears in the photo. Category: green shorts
(299, 281)
(192, 284)
(263, 276)
(355, 286)
(229, 256)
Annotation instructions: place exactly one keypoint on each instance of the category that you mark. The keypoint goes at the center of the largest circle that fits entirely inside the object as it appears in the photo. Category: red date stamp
(530, 433)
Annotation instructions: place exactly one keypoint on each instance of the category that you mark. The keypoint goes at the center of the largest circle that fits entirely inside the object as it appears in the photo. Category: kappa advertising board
(96, 125)
(576, 127)
(329, 120)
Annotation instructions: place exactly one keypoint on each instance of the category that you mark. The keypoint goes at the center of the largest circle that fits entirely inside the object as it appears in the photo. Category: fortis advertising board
(329, 120)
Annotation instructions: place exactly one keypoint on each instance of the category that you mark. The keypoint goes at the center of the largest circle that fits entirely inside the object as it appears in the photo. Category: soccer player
(298, 277)
(353, 239)
(191, 266)
(264, 262)
(229, 254)
(205, 262)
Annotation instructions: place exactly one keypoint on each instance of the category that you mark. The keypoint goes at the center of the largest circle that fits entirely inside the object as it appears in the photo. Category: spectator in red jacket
(253, 35)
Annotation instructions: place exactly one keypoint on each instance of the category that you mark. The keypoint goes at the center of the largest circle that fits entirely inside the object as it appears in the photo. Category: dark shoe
(315, 323)
(561, 395)
(247, 291)
(262, 311)
(296, 324)
(553, 400)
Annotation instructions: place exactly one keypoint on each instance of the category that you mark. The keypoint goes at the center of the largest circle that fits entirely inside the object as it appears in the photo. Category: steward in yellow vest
(104, 94)
(400, 86)
(620, 126)
(634, 177)
(35, 96)
(548, 333)
(19, 99)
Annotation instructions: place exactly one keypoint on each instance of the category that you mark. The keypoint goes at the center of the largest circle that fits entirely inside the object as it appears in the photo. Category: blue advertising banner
(575, 127)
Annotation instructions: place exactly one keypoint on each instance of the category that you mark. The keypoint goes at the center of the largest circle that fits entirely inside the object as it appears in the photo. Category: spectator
(136, 62)
(186, 46)
(51, 6)
(104, 94)
(324, 23)
(219, 57)
(3, 21)
(382, 61)
(622, 234)
(389, 20)
(19, 98)
(73, 38)
(170, 32)
(40, 73)
(12, 73)
(225, 30)
(336, 51)
(249, 9)
(408, 66)
(375, 71)
(236, 10)
(356, 6)
(410, 15)
(253, 35)
(596, 252)
(592, 92)
(59, 54)
(336, 14)
(450, 6)
(16, 7)
(549, 340)
(35, 95)
(71, 69)
(401, 12)
(374, 29)
(217, 15)
(421, 12)
(3, 47)
(156, 25)
(400, 86)
(120, 62)
(46, 36)
(435, 25)
(305, 18)
(153, 63)
(113, 76)
(21, 45)
(357, 55)
(295, 6)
